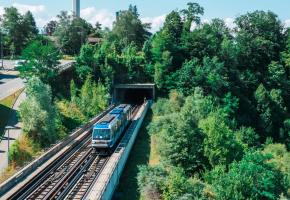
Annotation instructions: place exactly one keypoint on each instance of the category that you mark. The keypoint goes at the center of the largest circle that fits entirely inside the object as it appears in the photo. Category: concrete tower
(76, 8)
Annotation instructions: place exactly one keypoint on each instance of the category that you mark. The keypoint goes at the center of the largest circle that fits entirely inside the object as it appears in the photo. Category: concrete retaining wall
(22, 174)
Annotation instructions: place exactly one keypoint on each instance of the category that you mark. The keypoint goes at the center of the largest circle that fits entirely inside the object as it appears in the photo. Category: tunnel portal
(133, 93)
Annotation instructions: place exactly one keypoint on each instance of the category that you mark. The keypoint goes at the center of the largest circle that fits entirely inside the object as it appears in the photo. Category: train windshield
(101, 134)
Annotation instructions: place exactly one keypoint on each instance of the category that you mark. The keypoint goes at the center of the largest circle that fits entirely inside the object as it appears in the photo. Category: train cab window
(101, 134)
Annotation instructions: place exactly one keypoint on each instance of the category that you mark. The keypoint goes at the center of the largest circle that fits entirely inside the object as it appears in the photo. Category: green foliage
(128, 28)
(19, 30)
(22, 150)
(93, 98)
(71, 33)
(177, 185)
(41, 60)
(176, 130)
(151, 181)
(251, 178)
(220, 143)
(86, 63)
(38, 114)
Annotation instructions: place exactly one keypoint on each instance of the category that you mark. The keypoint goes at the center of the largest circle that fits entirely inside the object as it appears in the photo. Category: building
(76, 8)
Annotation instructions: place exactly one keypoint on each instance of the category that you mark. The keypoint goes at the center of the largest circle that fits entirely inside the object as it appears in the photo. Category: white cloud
(1, 10)
(35, 9)
(106, 18)
(92, 15)
(287, 23)
(39, 12)
(156, 22)
(230, 22)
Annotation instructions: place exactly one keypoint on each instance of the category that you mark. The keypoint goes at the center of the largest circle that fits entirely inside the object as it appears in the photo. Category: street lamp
(7, 128)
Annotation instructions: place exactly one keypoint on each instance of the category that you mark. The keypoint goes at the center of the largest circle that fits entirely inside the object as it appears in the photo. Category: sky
(152, 11)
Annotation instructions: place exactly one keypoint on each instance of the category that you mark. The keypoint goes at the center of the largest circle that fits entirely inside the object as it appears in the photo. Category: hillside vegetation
(222, 119)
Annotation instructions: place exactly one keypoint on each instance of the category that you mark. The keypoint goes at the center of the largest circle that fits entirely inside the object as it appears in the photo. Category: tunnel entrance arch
(133, 93)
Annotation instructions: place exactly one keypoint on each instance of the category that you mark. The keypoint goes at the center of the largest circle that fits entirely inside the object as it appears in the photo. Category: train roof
(111, 117)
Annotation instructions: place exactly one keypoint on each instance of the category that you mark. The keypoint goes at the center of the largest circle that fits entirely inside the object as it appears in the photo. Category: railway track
(68, 177)
(52, 182)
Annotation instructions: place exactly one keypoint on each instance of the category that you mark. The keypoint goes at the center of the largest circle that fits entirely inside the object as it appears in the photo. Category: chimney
(76, 8)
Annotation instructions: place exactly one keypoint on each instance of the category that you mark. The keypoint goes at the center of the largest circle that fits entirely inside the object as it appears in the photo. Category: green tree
(128, 28)
(260, 38)
(71, 33)
(41, 60)
(19, 29)
(251, 178)
(220, 143)
(50, 27)
(93, 98)
(191, 14)
(86, 62)
(39, 116)
(151, 181)
(212, 77)
(29, 26)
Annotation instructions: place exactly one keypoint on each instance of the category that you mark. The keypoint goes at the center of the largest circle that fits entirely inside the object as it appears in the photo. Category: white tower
(76, 8)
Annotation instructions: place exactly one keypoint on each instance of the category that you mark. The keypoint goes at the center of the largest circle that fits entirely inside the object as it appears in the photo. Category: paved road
(8, 87)
(14, 133)
(10, 82)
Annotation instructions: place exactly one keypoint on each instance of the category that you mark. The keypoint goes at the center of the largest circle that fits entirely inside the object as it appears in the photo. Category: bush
(22, 150)
(38, 113)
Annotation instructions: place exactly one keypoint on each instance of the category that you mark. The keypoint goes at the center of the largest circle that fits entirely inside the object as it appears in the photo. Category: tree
(86, 63)
(29, 26)
(128, 28)
(39, 116)
(212, 76)
(260, 38)
(12, 26)
(220, 143)
(20, 30)
(41, 60)
(50, 27)
(93, 98)
(151, 181)
(251, 178)
(191, 14)
(177, 131)
(71, 33)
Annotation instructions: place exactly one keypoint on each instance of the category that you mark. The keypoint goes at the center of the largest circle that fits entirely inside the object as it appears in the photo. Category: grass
(5, 109)
(8, 172)
(142, 153)
(154, 156)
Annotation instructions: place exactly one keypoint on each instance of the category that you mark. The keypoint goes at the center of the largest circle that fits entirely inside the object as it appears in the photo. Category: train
(109, 129)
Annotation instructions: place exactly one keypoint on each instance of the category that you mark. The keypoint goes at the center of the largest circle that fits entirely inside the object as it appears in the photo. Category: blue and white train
(109, 129)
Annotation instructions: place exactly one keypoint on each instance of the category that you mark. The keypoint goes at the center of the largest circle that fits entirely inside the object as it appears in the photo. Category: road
(9, 80)
(9, 86)
(14, 133)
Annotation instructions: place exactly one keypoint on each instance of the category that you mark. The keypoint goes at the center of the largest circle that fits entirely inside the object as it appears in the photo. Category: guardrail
(25, 171)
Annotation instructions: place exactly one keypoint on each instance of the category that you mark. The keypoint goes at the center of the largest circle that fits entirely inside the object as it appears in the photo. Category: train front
(101, 136)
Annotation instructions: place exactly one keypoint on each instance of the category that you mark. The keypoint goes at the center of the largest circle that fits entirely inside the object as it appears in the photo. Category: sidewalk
(13, 133)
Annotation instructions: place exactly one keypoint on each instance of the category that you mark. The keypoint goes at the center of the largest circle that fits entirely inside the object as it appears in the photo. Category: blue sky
(150, 10)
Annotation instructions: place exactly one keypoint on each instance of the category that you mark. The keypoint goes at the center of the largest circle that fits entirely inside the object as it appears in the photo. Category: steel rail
(50, 179)
(85, 159)
(37, 181)
(81, 187)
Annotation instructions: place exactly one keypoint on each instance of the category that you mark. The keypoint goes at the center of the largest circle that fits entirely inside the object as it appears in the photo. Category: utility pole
(1, 50)
(8, 139)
